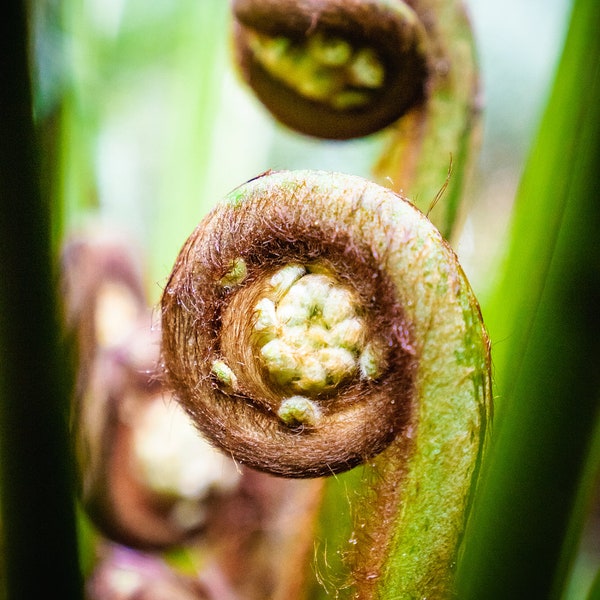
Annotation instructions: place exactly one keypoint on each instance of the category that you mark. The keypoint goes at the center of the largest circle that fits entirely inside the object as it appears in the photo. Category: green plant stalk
(37, 503)
(424, 524)
(547, 349)
(438, 140)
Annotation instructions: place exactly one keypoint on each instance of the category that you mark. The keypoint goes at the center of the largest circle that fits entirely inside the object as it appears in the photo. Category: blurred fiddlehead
(336, 69)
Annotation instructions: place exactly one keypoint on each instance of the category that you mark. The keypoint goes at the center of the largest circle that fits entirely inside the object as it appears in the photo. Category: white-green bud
(299, 411)
(224, 374)
(370, 362)
(236, 274)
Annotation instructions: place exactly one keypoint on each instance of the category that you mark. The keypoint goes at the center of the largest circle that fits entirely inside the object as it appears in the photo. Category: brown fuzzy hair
(204, 321)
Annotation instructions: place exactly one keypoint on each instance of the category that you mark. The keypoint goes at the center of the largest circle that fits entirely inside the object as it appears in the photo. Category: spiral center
(324, 68)
(310, 333)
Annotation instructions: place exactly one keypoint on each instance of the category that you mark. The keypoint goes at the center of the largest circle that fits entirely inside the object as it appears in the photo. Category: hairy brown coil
(316, 91)
(207, 320)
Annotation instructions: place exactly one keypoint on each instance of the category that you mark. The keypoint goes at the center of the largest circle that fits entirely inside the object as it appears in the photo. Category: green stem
(37, 503)
(436, 141)
(547, 342)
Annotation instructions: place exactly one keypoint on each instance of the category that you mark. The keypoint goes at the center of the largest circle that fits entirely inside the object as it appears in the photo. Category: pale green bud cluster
(311, 336)
(323, 68)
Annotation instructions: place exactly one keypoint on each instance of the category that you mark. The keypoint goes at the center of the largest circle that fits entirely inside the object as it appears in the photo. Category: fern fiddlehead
(316, 321)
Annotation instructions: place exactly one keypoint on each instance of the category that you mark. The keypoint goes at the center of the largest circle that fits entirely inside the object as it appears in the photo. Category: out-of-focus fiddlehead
(343, 69)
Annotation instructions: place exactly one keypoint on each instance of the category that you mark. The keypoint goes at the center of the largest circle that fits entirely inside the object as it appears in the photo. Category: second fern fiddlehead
(333, 69)
(315, 321)
(342, 69)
